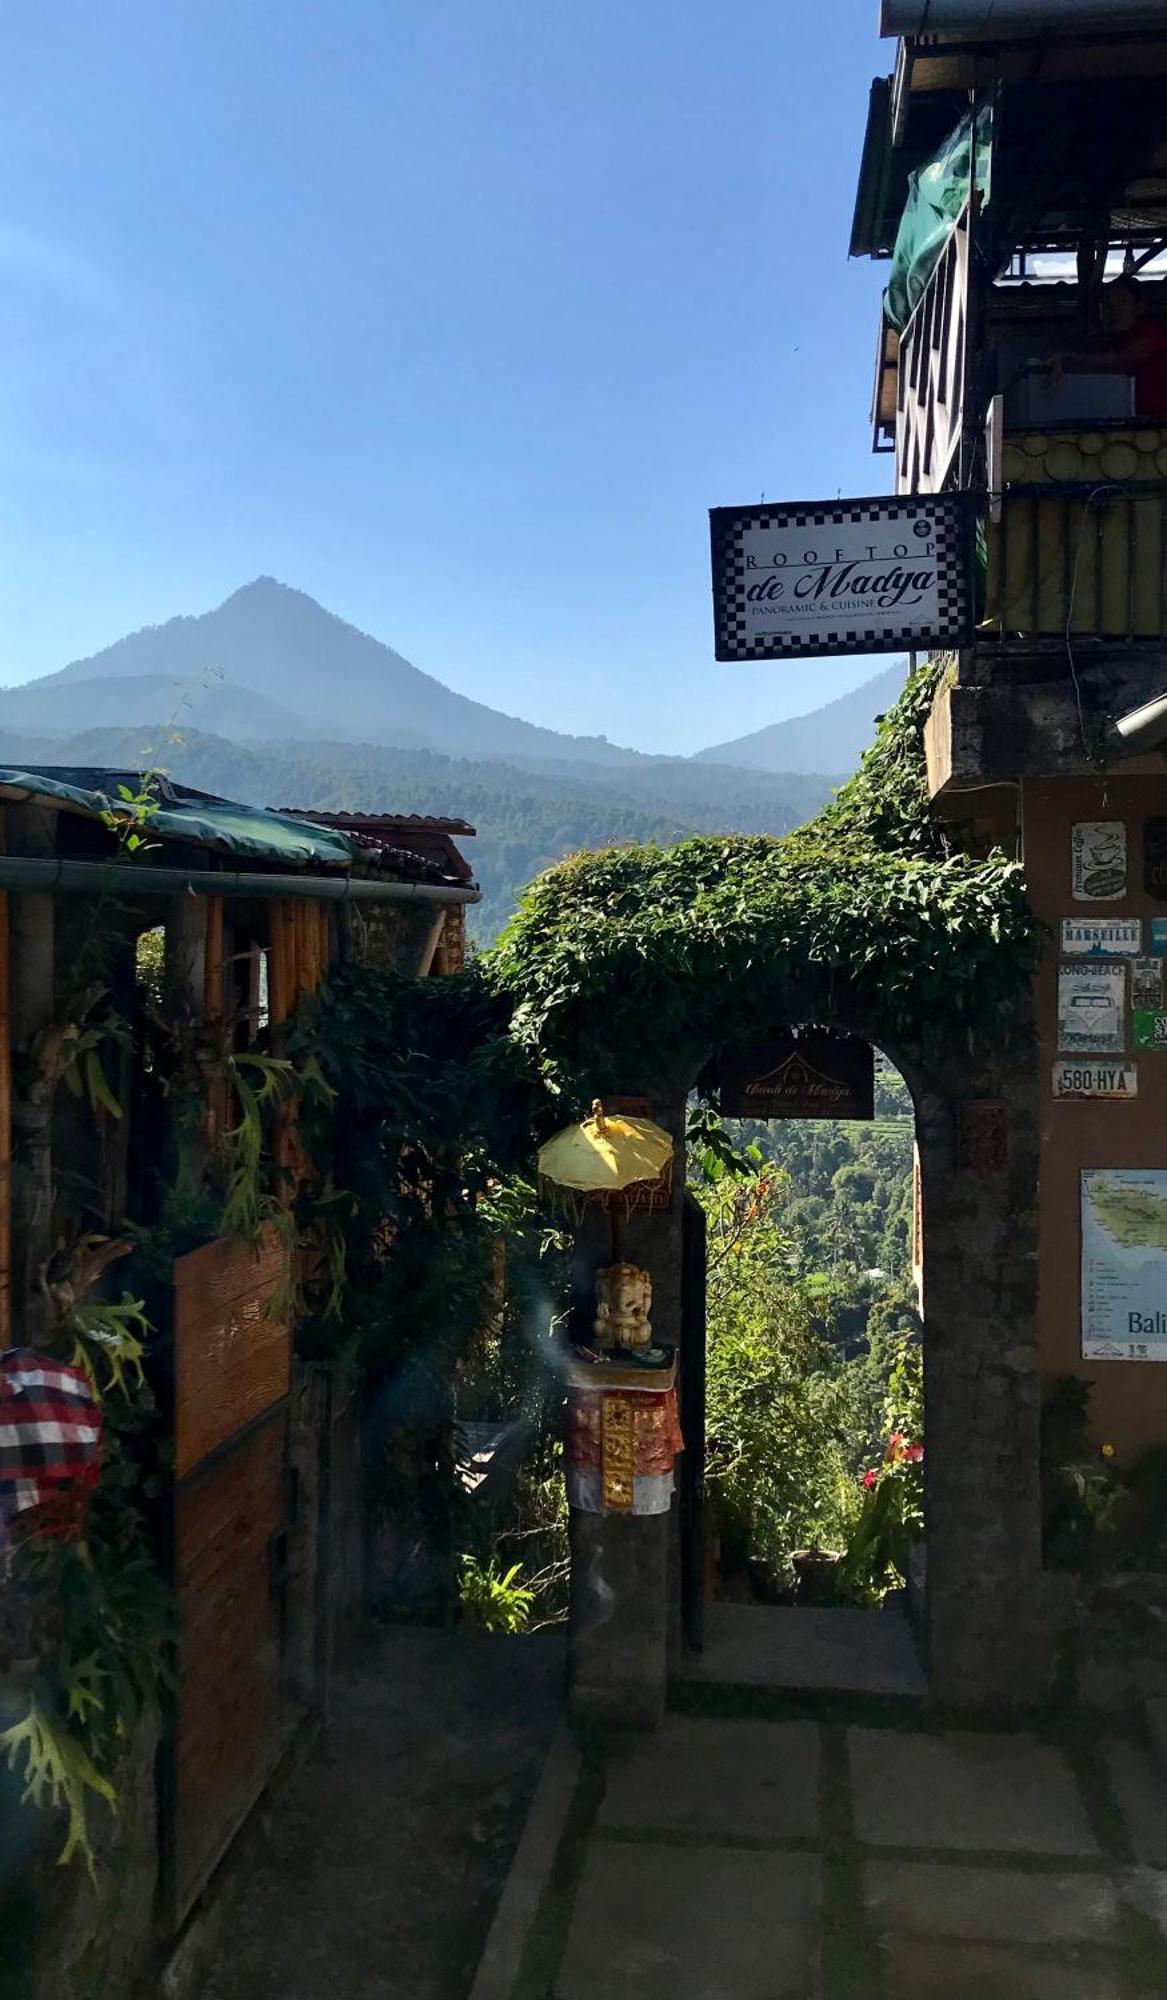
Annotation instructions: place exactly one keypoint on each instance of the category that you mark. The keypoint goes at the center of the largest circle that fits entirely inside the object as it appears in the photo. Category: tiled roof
(365, 821)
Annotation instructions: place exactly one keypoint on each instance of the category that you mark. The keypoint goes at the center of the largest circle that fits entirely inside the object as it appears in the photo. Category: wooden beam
(31, 830)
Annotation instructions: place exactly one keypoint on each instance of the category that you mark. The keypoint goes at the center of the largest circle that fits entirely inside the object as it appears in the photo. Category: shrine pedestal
(618, 1633)
(622, 1442)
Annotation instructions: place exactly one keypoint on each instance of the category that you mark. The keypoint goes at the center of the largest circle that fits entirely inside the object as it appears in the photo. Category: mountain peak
(283, 651)
(267, 590)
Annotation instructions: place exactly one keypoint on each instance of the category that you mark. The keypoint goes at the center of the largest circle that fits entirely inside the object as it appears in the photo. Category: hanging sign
(816, 1075)
(840, 576)
(1124, 1264)
(1155, 858)
(1091, 1007)
(1098, 860)
(1147, 983)
(1105, 937)
(1095, 1079)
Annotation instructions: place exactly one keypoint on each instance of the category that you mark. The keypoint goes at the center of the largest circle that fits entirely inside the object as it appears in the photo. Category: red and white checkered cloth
(50, 1443)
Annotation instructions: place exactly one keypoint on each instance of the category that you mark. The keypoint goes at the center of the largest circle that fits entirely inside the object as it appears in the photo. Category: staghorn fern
(57, 1769)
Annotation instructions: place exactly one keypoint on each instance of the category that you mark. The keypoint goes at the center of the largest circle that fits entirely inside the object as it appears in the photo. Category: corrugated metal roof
(418, 835)
(419, 822)
(250, 832)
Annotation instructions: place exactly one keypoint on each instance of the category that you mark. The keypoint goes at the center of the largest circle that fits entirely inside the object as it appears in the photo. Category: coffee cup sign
(1098, 861)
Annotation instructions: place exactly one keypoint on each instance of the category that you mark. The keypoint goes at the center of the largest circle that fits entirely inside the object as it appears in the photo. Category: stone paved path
(374, 1872)
(732, 1859)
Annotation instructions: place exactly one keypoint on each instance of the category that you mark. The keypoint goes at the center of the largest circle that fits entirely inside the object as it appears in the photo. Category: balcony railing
(1080, 557)
(930, 373)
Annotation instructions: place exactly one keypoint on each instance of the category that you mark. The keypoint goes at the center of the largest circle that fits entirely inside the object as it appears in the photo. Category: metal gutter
(19, 871)
(1053, 17)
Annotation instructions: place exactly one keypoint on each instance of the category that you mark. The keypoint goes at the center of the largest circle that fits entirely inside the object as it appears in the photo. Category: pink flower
(869, 1479)
(913, 1453)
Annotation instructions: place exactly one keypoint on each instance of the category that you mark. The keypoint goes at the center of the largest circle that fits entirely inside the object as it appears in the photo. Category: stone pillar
(625, 1579)
(989, 1637)
(619, 1618)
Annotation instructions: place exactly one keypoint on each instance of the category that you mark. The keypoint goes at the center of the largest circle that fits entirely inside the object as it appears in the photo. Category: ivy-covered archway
(627, 970)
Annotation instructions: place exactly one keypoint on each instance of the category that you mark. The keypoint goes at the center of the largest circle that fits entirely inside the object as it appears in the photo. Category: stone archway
(988, 1636)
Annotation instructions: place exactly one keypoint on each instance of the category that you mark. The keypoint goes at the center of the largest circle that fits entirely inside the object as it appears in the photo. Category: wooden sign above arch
(818, 1074)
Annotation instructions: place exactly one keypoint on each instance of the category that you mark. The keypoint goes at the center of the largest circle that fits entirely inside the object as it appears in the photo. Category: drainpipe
(47, 877)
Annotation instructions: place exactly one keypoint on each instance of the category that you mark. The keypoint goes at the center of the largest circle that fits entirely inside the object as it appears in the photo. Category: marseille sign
(841, 576)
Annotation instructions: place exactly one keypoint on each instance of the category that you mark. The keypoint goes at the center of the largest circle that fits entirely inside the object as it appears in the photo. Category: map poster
(1124, 1264)
(1105, 937)
(1147, 982)
(1091, 1007)
(1098, 860)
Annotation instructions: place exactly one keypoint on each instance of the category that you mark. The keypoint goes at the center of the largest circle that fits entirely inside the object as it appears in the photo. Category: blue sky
(458, 314)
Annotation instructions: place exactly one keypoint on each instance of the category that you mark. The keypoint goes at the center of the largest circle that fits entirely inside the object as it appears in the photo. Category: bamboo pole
(213, 958)
(277, 970)
(213, 1012)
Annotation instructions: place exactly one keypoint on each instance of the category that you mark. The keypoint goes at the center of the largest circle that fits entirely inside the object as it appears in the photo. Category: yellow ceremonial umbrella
(614, 1162)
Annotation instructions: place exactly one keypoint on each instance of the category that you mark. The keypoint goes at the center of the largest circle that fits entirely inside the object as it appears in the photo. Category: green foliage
(712, 1149)
(58, 1771)
(891, 1519)
(495, 1599)
(422, 1108)
(779, 1424)
(84, 1621)
(633, 962)
(113, 1335)
(527, 817)
(1081, 1488)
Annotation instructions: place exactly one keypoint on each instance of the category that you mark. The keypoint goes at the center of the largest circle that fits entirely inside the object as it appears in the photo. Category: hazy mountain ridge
(271, 663)
(273, 700)
(323, 675)
(830, 738)
(526, 820)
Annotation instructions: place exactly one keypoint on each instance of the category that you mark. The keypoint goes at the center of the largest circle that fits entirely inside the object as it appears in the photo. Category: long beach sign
(842, 576)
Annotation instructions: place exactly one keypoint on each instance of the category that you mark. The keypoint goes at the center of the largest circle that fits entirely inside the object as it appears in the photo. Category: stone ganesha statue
(623, 1302)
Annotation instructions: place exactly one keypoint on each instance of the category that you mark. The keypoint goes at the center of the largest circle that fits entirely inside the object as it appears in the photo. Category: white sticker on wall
(1147, 983)
(1102, 937)
(1098, 860)
(1096, 1079)
(1091, 1007)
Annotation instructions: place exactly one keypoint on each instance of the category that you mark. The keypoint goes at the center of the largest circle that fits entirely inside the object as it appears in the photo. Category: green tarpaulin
(249, 832)
(937, 192)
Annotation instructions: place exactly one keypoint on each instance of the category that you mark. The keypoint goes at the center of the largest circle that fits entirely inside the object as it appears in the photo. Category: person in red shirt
(1130, 345)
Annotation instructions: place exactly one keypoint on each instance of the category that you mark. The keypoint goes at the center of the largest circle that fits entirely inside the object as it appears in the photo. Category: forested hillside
(526, 817)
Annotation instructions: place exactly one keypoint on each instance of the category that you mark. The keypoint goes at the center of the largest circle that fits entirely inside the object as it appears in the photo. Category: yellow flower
(1108, 1451)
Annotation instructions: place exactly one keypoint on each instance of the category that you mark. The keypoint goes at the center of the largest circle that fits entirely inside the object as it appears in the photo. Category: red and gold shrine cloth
(623, 1436)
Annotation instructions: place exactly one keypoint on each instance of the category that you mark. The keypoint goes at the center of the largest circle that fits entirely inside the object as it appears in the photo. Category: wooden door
(232, 1367)
(691, 1400)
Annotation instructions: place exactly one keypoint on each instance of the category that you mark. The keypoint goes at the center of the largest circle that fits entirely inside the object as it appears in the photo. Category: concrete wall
(1129, 1404)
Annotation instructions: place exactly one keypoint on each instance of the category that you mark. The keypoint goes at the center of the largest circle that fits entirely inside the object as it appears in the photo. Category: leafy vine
(635, 963)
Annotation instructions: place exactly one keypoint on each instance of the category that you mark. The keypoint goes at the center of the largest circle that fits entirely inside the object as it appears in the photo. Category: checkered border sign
(949, 514)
